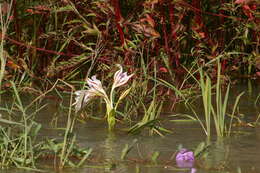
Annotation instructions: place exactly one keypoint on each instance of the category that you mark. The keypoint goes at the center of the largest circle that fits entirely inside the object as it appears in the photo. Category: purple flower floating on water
(185, 158)
(184, 155)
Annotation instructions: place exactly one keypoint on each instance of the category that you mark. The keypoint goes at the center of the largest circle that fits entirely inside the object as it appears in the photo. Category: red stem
(39, 49)
(171, 10)
(118, 16)
(165, 35)
(174, 58)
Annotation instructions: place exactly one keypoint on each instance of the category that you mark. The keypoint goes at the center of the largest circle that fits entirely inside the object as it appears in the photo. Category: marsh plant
(95, 89)
(217, 111)
(20, 144)
(150, 120)
(18, 132)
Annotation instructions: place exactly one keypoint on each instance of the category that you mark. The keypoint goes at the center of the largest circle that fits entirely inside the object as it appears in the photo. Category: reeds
(151, 113)
(18, 142)
(150, 120)
(19, 139)
(218, 109)
(215, 105)
(206, 92)
(5, 19)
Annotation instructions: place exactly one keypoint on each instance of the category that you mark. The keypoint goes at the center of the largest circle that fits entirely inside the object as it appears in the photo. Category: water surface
(241, 151)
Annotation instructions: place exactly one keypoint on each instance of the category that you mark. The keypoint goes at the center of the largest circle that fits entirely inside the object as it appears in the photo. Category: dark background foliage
(60, 39)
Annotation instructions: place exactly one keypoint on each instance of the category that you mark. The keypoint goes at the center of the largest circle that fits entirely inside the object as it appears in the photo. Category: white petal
(94, 83)
(118, 73)
(120, 78)
(82, 97)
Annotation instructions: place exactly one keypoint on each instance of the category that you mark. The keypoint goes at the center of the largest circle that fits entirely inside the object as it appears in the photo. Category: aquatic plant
(96, 89)
(19, 137)
(151, 115)
(206, 92)
(150, 120)
(218, 110)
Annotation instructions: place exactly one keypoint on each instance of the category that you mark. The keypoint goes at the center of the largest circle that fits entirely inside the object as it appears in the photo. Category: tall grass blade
(233, 112)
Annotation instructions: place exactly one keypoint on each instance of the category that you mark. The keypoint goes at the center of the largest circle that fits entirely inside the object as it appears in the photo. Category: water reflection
(111, 155)
(216, 157)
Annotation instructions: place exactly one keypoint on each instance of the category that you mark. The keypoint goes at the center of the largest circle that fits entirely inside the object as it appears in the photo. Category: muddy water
(237, 154)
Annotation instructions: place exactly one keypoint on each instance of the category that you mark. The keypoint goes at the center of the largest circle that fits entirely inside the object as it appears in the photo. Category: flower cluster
(96, 90)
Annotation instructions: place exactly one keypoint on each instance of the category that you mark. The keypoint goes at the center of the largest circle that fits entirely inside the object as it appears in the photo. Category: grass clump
(216, 110)
(22, 146)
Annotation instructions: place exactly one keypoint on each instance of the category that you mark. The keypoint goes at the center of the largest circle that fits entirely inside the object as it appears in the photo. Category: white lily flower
(120, 78)
(96, 85)
(82, 97)
(96, 89)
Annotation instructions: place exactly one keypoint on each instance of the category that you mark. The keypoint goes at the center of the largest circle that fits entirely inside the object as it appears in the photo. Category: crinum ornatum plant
(95, 89)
